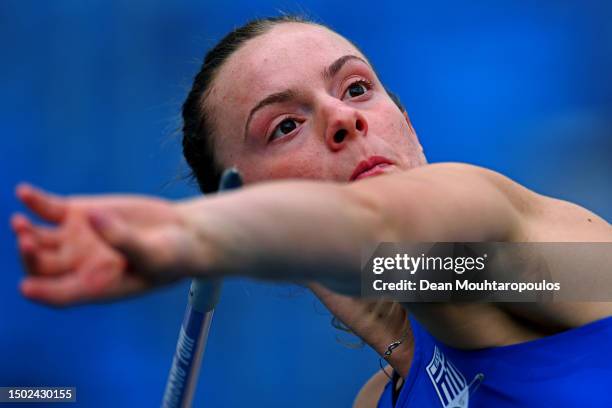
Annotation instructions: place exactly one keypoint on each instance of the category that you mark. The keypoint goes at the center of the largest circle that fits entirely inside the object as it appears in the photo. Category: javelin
(203, 296)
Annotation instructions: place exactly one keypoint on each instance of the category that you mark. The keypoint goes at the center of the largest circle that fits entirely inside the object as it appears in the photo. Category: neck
(395, 343)
(378, 323)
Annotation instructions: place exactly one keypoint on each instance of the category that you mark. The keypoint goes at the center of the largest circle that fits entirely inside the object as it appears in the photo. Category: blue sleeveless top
(569, 369)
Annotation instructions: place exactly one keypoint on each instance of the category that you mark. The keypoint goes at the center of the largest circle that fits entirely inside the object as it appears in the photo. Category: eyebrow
(337, 65)
(289, 94)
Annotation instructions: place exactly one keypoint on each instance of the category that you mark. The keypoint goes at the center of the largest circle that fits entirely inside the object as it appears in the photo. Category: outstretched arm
(315, 231)
(293, 230)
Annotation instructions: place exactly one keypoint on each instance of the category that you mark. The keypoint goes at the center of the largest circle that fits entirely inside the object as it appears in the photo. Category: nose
(344, 123)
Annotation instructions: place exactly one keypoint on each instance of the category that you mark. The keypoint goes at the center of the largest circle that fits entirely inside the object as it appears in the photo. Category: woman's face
(302, 102)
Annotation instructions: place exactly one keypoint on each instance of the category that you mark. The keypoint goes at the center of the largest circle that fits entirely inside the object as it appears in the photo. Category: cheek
(395, 131)
(256, 169)
(411, 150)
(391, 126)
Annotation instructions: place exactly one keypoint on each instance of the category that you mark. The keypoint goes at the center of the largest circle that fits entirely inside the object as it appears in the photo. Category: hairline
(207, 108)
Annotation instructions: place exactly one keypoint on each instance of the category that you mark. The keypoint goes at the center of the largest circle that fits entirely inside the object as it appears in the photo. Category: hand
(99, 248)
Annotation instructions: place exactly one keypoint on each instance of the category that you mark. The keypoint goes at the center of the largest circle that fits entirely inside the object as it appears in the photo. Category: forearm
(302, 230)
(297, 230)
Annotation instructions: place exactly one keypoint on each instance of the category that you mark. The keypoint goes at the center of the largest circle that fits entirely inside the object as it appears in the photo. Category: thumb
(119, 235)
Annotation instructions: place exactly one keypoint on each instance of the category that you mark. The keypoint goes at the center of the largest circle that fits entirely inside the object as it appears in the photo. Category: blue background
(90, 93)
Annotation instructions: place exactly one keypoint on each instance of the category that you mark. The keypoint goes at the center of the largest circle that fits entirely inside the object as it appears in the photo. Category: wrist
(203, 249)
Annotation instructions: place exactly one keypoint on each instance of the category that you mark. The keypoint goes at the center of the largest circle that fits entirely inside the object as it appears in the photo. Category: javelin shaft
(203, 297)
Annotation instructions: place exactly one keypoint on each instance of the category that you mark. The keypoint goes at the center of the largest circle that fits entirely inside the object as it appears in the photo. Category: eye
(287, 126)
(357, 88)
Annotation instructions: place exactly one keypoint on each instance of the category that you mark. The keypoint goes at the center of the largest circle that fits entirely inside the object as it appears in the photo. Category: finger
(58, 291)
(50, 262)
(44, 236)
(86, 283)
(47, 206)
(118, 235)
(27, 251)
(41, 261)
(19, 223)
(98, 280)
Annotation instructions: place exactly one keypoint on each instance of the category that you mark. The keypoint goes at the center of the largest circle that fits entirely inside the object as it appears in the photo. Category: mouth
(373, 166)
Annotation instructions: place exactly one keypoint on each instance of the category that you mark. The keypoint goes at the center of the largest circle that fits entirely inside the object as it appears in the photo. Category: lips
(374, 165)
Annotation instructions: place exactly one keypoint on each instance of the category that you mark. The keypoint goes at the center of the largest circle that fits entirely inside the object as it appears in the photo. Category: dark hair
(198, 126)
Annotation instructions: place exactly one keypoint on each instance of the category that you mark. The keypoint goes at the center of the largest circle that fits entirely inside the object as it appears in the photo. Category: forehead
(283, 57)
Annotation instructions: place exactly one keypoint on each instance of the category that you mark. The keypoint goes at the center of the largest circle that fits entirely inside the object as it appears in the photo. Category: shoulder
(535, 217)
(453, 182)
(540, 218)
(371, 392)
(450, 202)
(537, 208)
(555, 220)
(463, 177)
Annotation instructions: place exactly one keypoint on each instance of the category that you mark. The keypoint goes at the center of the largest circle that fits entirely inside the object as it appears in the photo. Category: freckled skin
(292, 56)
(143, 242)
